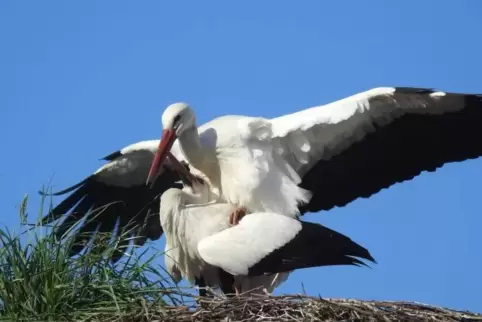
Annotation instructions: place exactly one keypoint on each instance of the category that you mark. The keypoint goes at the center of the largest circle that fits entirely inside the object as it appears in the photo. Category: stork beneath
(256, 255)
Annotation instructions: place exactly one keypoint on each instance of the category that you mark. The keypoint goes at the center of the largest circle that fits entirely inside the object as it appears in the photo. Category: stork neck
(171, 212)
(169, 220)
(191, 147)
(171, 203)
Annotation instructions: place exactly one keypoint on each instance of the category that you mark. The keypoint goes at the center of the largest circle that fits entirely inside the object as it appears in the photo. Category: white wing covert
(238, 248)
(356, 146)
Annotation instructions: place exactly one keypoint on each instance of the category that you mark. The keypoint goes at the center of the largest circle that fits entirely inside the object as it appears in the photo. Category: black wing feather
(410, 144)
(112, 156)
(102, 206)
(315, 245)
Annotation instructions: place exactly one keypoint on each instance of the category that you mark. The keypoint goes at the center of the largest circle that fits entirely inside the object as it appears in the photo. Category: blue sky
(81, 79)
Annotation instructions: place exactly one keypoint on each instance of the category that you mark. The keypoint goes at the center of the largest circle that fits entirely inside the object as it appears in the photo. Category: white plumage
(186, 226)
(255, 255)
(244, 245)
(338, 152)
(258, 163)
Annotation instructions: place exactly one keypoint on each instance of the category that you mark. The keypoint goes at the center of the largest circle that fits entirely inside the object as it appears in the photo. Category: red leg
(236, 290)
(237, 215)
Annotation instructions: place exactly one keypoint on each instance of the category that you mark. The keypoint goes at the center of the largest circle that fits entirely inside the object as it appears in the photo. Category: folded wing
(267, 243)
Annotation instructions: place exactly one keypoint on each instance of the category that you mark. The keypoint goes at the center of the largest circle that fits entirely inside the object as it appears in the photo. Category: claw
(237, 215)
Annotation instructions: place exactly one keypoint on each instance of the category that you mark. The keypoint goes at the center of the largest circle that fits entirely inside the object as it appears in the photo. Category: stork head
(176, 119)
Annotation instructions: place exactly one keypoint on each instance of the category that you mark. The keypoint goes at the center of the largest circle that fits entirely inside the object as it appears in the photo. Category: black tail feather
(315, 245)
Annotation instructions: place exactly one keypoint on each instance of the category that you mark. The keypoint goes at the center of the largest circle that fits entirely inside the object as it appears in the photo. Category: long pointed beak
(168, 138)
(184, 178)
(185, 175)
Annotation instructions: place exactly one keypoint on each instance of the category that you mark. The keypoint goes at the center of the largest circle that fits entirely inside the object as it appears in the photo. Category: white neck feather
(191, 147)
(172, 204)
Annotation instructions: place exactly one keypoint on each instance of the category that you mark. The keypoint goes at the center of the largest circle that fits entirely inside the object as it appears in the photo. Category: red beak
(168, 138)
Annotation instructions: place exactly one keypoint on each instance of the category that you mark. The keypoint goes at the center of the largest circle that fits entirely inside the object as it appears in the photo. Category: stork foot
(237, 215)
(236, 290)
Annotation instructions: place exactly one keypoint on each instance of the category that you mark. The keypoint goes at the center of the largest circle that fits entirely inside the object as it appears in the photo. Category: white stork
(204, 248)
(342, 151)
(261, 164)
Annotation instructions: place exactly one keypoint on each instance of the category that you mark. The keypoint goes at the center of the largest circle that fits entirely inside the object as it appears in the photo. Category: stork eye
(176, 120)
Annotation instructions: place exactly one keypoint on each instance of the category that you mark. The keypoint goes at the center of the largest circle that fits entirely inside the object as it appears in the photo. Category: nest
(305, 308)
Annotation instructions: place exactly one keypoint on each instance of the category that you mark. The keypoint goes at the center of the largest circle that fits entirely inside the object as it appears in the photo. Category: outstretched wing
(361, 144)
(115, 200)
